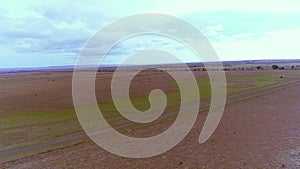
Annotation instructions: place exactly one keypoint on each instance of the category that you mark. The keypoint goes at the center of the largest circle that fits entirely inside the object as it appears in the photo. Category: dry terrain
(260, 127)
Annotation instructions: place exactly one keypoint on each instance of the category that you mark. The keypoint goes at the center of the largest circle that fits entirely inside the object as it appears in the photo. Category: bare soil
(260, 132)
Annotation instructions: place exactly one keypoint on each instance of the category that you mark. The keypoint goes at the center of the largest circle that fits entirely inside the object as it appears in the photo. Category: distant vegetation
(195, 68)
(259, 68)
(275, 67)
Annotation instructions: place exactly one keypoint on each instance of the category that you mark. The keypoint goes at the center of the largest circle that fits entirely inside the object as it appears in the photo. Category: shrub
(275, 67)
(259, 67)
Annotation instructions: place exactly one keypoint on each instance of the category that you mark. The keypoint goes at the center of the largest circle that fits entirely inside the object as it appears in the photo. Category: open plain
(260, 127)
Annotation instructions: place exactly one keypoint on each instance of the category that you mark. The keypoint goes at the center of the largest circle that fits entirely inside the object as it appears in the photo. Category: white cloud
(213, 30)
(242, 36)
(179, 7)
(273, 45)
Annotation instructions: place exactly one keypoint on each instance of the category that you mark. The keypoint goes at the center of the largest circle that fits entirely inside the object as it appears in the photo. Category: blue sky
(51, 33)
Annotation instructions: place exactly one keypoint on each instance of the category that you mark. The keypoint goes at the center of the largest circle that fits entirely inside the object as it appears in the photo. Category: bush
(275, 67)
(259, 68)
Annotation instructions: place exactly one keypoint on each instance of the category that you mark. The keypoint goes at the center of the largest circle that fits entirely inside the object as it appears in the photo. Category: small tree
(259, 67)
(275, 67)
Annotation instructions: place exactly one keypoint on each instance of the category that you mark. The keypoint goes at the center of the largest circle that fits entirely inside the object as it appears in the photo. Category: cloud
(213, 30)
(53, 32)
(179, 7)
(36, 32)
(272, 45)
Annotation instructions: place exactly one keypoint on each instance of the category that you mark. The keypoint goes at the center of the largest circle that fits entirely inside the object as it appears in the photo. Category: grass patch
(21, 129)
(257, 81)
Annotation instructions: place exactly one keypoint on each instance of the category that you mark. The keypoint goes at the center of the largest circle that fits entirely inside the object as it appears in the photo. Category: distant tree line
(275, 67)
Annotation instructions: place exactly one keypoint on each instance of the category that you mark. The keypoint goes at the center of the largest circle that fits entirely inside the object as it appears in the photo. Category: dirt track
(261, 132)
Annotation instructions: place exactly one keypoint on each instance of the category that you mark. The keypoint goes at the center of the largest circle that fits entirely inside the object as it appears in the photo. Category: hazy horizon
(274, 61)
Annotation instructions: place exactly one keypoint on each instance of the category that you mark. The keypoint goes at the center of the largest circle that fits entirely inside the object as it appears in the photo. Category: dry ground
(260, 132)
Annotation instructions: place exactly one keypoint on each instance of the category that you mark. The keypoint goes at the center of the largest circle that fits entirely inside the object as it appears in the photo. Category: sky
(52, 32)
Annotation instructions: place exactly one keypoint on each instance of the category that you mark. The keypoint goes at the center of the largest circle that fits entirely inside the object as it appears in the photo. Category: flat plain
(260, 127)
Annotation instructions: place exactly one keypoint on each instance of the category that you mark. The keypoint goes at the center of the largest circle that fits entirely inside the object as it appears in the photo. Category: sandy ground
(261, 132)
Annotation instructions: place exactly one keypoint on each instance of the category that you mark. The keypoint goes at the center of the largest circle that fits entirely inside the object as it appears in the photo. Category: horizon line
(114, 65)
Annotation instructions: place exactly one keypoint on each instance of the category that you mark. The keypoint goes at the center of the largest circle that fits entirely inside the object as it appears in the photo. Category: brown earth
(260, 132)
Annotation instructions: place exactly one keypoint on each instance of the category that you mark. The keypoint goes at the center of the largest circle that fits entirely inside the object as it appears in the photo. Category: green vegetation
(20, 129)
(204, 87)
(238, 83)
(25, 119)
